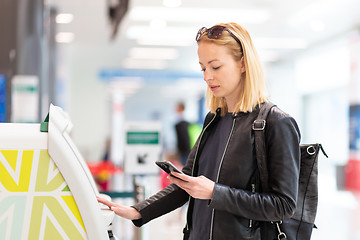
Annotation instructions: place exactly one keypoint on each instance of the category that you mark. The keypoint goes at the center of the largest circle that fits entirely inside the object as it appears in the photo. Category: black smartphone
(168, 167)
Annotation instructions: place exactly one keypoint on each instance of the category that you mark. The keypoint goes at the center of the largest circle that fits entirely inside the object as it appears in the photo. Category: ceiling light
(64, 18)
(245, 16)
(172, 3)
(144, 64)
(64, 37)
(153, 53)
(281, 43)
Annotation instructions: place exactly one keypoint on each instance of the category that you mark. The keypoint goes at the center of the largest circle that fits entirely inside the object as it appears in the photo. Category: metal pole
(139, 196)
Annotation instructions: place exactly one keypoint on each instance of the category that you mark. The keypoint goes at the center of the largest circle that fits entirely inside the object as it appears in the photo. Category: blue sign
(2, 98)
(355, 127)
(147, 75)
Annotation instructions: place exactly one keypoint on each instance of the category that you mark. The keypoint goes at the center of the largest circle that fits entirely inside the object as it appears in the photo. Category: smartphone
(168, 167)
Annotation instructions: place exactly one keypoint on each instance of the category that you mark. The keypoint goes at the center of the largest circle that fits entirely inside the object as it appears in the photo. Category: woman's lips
(214, 87)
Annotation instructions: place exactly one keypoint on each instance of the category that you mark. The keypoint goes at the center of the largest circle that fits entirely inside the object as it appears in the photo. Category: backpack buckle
(258, 125)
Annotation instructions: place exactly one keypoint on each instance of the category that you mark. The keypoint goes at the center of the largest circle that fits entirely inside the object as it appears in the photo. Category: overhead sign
(109, 74)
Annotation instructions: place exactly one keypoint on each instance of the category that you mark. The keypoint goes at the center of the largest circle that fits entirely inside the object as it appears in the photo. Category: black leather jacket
(236, 202)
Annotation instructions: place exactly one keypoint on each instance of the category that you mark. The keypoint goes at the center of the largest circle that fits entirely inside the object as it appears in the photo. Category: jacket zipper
(197, 149)
(253, 191)
(218, 175)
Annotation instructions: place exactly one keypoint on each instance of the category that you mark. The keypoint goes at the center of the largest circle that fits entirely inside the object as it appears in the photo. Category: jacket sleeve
(166, 200)
(282, 138)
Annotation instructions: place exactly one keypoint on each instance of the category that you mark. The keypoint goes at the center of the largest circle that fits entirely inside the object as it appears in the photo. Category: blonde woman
(221, 176)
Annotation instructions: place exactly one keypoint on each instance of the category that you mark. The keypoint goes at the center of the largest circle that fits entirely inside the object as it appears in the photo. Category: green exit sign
(142, 137)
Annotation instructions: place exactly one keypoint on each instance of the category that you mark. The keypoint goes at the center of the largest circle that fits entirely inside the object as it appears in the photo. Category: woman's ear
(242, 65)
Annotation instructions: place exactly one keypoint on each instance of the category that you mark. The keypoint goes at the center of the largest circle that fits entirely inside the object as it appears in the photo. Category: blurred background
(120, 67)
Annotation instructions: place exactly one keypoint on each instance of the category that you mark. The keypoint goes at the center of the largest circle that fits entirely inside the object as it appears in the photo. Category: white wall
(323, 76)
(88, 104)
(281, 81)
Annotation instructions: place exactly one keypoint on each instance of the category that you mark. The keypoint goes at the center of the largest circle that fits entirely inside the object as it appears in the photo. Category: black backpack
(300, 226)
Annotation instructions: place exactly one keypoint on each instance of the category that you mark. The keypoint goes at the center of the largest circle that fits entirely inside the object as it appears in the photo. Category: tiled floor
(338, 215)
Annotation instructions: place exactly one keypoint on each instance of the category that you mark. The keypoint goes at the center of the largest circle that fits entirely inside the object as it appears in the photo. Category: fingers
(102, 200)
(106, 202)
(123, 211)
(197, 187)
(181, 180)
(181, 176)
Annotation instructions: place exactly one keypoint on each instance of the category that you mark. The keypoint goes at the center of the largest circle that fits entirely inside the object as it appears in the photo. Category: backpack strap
(261, 157)
(258, 127)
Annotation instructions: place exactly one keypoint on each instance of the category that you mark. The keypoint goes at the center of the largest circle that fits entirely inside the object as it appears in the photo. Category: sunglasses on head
(215, 32)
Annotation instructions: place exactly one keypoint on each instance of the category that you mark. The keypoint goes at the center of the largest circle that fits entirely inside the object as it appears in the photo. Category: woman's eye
(203, 69)
(216, 68)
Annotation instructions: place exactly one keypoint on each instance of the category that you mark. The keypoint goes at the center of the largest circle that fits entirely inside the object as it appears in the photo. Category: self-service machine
(46, 188)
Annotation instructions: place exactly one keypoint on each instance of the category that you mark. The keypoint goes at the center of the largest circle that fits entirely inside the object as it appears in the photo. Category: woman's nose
(207, 76)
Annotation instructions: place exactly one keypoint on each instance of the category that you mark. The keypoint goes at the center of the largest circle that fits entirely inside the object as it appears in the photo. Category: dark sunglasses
(215, 32)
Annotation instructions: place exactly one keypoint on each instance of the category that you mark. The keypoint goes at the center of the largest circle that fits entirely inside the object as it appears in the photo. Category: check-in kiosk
(46, 188)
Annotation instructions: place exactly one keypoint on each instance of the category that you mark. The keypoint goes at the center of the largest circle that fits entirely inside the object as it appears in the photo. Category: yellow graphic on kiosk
(35, 201)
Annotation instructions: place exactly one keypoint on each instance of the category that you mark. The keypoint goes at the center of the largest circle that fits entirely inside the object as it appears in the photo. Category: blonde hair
(253, 87)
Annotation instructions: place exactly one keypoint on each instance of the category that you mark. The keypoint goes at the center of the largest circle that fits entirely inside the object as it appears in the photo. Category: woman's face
(221, 72)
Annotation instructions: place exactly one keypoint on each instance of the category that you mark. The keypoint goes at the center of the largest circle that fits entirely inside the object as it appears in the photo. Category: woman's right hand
(123, 211)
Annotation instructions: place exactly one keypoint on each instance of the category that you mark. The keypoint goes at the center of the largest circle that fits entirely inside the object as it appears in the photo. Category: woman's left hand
(197, 187)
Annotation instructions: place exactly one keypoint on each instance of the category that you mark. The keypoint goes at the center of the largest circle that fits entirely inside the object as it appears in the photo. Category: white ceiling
(279, 28)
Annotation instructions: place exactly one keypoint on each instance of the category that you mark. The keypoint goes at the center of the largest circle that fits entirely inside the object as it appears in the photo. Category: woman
(220, 180)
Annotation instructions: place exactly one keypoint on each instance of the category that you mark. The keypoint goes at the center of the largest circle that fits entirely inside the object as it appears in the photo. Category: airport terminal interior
(89, 91)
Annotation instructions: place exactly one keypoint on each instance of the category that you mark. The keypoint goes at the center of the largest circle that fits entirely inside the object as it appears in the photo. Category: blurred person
(220, 180)
(182, 133)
